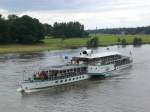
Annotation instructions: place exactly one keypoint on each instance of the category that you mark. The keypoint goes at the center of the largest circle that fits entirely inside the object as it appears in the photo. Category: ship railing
(31, 80)
(107, 62)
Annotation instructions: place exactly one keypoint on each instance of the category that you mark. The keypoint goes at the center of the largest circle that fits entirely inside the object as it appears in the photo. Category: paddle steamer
(84, 66)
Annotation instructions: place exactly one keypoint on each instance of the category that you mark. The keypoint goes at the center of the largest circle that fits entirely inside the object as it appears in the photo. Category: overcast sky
(91, 13)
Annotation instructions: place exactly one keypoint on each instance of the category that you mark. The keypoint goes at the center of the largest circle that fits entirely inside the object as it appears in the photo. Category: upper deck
(96, 55)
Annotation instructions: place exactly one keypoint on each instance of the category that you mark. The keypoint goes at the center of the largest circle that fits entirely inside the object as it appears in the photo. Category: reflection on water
(126, 91)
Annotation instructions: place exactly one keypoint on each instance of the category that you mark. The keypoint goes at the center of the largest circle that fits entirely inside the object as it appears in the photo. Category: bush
(137, 41)
(118, 40)
(123, 42)
(93, 42)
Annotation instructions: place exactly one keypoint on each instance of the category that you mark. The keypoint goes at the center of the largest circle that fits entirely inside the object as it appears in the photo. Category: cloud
(24, 5)
(92, 13)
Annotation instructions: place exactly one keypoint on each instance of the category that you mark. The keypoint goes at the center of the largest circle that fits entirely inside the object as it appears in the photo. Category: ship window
(69, 79)
(77, 78)
(61, 80)
(82, 76)
(73, 78)
(56, 81)
(66, 80)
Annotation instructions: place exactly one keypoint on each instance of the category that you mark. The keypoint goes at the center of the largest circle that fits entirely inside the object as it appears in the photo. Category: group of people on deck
(40, 76)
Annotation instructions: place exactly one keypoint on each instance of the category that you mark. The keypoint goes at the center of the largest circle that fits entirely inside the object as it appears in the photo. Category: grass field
(55, 43)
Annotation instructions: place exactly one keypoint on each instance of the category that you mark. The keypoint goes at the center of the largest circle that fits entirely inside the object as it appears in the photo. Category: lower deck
(45, 84)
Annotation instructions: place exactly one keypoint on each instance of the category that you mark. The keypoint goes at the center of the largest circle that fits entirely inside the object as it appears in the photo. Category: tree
(133, 31)
(3, 30)
(27, 30)
(93, 42)
(12, 17)
(47, 29)
(118, 40)
(68, 30)
(10, 22)
(137, 41)
(123, 42)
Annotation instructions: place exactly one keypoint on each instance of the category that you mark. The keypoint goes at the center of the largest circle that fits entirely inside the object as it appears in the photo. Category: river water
(127, 91)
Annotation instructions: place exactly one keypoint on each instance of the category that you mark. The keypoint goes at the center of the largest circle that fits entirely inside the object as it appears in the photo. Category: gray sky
(91, 13)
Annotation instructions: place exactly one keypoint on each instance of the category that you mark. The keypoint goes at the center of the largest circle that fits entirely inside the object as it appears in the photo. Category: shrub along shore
(50, 43)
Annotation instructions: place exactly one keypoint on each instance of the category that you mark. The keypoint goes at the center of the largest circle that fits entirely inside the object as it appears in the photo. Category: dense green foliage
(123, 42)
(137, 41)
(28, 30)
(3, 30)
(93, 42)
(133, 31)
(48, 29)
(70, 29)
(118, 40)
(20, 30)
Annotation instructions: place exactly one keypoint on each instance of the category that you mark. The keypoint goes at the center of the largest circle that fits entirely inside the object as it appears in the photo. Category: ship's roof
(98, 55)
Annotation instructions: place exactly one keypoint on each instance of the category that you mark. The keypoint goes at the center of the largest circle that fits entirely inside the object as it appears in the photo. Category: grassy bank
(53, 43)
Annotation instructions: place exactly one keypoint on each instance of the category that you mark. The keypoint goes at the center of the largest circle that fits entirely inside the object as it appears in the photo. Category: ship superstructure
(81, 67)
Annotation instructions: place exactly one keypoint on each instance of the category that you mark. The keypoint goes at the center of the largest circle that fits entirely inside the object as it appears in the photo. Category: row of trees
(136, 41)
(27, 30)
(94, 42)
(20, 29)
(66, 30)
(138, 30)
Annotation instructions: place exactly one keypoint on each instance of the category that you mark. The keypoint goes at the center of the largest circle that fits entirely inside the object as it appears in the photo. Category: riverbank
(50, 43)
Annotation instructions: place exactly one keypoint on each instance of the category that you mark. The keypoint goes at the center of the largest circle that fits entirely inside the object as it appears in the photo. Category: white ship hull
(102, 71)
(82, 67)
(34, 86)
(99, 69)
(123, 66)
